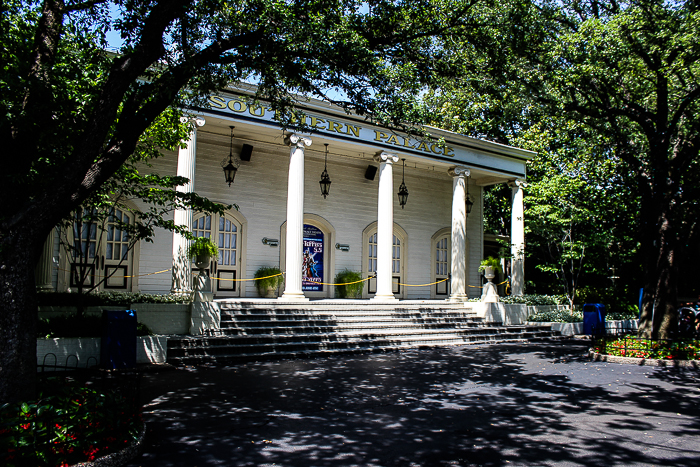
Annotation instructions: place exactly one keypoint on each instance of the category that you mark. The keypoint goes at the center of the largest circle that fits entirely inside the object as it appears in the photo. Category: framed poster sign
(312, 259)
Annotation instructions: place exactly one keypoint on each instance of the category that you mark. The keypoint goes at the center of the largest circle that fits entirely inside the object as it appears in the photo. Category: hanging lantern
(468, 198)
(231, 167)
(325, 179)
(403, 191)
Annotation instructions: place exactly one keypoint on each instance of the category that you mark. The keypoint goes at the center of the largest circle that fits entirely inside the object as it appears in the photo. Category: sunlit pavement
(511, 404)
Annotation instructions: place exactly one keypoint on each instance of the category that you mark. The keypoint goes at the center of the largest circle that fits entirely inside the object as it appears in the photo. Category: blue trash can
(118, 339)
(593, 318)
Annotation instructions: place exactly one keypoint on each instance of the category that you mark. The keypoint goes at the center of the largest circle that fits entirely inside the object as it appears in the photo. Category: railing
(80, 414)
(624, 342)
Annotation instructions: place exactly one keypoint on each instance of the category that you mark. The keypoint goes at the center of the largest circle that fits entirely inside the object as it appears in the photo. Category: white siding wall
(260, 190)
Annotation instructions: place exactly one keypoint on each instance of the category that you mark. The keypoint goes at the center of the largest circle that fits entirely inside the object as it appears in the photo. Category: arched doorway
(227, 231)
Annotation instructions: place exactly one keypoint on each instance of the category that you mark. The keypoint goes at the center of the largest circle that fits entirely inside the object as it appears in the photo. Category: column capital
(298, 140)
(517, 183)
(193, 121)
(459, 171)
(388, 157)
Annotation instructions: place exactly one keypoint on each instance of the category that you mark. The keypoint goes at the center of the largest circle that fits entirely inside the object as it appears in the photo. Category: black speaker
(246, 151)
(371, 172)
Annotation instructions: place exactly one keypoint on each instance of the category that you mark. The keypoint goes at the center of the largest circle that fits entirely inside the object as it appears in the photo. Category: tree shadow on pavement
(528, 404)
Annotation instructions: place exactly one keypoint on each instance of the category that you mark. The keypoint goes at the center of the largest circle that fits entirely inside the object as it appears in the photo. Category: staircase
(252, 330)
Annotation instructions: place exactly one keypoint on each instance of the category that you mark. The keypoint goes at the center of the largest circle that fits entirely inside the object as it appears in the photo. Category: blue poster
(312, 259)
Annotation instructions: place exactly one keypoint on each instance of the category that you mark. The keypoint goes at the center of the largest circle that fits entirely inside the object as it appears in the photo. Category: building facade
(283, 219)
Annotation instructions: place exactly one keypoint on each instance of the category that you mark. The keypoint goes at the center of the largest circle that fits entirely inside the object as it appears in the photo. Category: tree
(109, 212)
(628, 71)
(72, 114)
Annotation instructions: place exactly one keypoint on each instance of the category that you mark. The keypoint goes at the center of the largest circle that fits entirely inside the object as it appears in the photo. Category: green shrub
(202, 246)
(645, 348)
(73, 326)
(124, 299)
(561, 315)
(495, 263)
(69, 423)
(532, 300)
(271, 278)
(348, 290)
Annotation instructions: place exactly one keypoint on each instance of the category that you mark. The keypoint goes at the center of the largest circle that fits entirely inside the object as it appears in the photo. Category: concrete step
(272, 329)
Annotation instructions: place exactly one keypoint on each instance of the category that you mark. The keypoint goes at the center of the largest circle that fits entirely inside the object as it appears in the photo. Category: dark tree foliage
(627, 72)
(71, 114)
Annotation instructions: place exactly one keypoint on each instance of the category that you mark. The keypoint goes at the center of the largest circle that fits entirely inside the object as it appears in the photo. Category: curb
(118, 458)
(597, 357)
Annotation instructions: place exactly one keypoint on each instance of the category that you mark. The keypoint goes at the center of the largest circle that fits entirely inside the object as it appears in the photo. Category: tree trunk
(659, 318)
(18, 320)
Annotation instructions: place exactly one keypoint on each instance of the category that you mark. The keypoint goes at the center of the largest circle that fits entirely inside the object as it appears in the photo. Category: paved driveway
(510, 404)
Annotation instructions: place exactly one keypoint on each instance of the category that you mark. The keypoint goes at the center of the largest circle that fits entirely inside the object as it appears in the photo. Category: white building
(359, 225)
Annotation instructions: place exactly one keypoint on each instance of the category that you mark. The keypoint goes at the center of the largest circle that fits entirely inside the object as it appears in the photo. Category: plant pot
(270, 292)
(488, 273)
(202, 261)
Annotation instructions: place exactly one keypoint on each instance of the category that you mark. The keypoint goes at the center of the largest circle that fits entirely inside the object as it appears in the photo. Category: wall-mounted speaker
(246, 152)
(371, 172)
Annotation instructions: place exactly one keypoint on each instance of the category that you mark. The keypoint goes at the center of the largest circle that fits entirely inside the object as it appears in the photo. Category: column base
(384, 298)
(293, 297)
(458, 298)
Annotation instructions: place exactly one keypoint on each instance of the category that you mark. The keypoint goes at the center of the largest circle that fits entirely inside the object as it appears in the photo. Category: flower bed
(69, 423)
(636, 347)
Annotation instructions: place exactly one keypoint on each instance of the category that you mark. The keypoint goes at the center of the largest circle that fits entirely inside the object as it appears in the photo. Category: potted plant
(490, 266)
(351, 284)
(201, 251)
(267, 280)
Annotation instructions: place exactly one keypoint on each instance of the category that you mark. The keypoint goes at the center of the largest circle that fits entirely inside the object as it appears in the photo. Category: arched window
(97, 252)
(398, 262)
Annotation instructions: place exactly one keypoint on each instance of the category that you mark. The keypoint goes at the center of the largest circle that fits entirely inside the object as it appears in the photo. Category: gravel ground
(512, 404)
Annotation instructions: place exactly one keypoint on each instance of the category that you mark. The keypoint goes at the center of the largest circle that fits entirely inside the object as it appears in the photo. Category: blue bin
(593, 318)
(118, 339)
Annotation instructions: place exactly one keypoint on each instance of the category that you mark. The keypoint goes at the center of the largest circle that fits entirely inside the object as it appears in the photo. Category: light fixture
(342, 246)
(231, 168)
(403, 191)
(325, 179)
(468, 198)
(270, 241)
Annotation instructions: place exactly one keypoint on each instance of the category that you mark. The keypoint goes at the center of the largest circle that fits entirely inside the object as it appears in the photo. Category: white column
(44, 269)
(186, 161)
(295, 219)
(459, 234)
(385, 226)
(517, 238)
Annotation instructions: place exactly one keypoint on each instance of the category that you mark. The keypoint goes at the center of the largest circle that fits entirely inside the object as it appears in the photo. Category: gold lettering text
(242, 107)
(334, 126)
(257, 111)
(448, 151)
(392, 139)
(423, 146)
(380, 136)
(355, 130)
(217, 102)
(436, 149)
(315, 121)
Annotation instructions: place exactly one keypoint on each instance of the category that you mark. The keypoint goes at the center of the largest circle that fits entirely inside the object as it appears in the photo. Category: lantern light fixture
(230, 166)
(325, 179)
(468, 198)
(403, 191)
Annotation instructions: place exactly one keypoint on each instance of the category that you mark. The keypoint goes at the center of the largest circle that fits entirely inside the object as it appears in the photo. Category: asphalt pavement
(537, 404)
